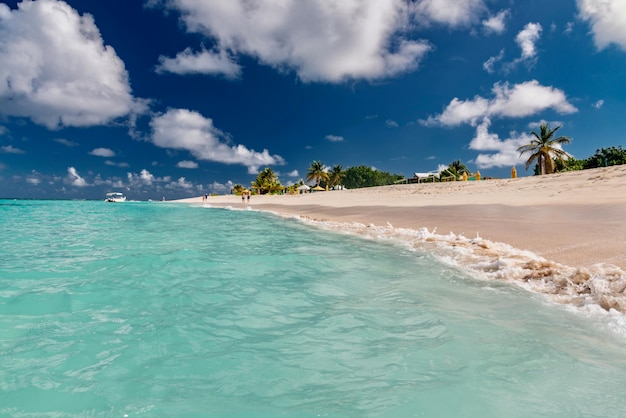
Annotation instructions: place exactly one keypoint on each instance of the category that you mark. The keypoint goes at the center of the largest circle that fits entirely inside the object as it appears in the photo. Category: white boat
(115, 197)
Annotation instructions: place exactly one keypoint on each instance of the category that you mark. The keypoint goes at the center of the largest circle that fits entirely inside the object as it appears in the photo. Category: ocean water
(170, 310)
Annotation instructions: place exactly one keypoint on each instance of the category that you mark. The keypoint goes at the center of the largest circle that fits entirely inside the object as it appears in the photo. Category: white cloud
(74, 179)
(188, 130)
(497, 23)
(102, 152)
(527, 38)
(503, 151)
(144, 178)
(33, 180)
(293, 173)
(204, 62)
(598, 104)
(10, 149)
(67, 143)
(187, 164)
(607, 19)
(334, 138)
(116, 164)
(39, 39)
(490, 64)
(449, 12)
(320, 40)
(391, 123)
(223, 188)
(519, 100)
(181, 183)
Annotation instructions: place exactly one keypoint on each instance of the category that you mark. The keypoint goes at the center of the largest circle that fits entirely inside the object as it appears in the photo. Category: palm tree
(336, 175)
(456, 170)
(317, 171)
(238, 189)
(543, 148)
(267, 182)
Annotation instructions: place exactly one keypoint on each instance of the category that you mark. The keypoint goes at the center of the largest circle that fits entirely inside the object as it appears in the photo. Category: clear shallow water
(151, 309)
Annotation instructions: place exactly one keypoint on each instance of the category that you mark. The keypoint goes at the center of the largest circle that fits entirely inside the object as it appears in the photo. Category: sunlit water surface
(153, 309)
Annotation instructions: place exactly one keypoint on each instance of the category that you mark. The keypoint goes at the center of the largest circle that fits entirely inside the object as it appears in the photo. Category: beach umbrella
(304, 187)
(318, 188)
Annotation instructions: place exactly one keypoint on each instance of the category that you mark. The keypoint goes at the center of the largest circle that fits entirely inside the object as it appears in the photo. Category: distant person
(243, 198)
(248, 198)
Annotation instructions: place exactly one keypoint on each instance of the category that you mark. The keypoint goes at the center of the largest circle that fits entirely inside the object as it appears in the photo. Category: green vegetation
(456, 170)
(336, 176)
(238, 189)
(605, 157)
(544, 148)
(363, 176)
(317, 172)
(267, 182)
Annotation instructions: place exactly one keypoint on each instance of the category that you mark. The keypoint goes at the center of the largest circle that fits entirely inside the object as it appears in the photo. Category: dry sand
(577, 218)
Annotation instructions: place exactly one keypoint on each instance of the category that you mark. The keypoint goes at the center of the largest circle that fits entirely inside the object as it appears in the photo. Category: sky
(176, 98)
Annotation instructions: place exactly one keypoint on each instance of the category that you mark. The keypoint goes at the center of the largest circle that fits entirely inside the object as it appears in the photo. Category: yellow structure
(464, 176)
(513, 173)
(477, 175)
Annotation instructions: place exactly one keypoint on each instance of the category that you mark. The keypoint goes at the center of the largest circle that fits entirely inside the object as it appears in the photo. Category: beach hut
(318, 189)
(303, 189)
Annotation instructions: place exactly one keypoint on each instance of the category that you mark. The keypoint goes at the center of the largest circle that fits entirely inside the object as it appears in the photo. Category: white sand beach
(575, 222)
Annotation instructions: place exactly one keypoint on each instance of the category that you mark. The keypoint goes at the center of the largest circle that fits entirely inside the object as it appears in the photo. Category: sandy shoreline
(575, 221)
(576, 218)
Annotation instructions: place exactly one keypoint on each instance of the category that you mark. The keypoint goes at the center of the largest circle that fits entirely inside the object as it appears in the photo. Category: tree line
(324, 177)
(545, 151)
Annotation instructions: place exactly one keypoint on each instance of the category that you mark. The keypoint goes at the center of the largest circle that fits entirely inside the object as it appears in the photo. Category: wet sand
(577, 218)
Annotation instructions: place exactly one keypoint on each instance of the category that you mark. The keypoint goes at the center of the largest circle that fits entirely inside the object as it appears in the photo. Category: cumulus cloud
(39, 39)
(187, 164)
(449, 12)
(598, 104)
(181, 183)
(188, 130)
(334, 138)
(318, 39)
(222, 188)
(607, 19)
(102, 152)
(519, 100)
(496, 152)
(74, 179)
(143, 178)
(497, 23)
(527, 38)
(203, 62)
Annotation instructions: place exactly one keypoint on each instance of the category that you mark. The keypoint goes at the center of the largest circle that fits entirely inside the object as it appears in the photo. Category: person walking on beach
(243, 198)
(248, 199)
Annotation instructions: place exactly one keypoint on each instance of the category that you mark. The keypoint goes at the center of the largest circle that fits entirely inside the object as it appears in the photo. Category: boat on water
(115, 197)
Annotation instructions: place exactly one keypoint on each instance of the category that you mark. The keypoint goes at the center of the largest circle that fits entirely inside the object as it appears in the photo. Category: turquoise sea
(170, 310)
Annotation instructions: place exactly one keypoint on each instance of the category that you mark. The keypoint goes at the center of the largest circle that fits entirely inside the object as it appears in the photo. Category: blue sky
(176, 98)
